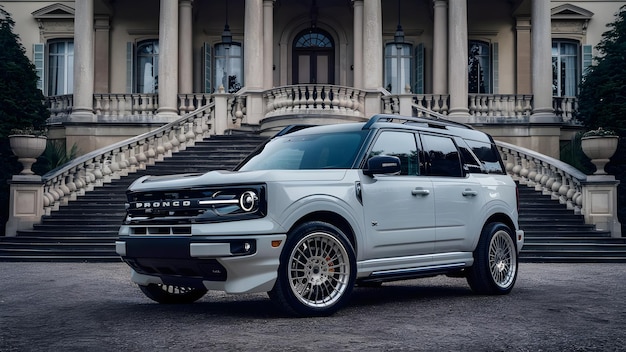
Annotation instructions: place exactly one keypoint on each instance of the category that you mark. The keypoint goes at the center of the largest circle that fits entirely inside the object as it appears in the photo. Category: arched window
(313, 57)
(479, 67)
(60, 67)
(147, 63)
(565, 76)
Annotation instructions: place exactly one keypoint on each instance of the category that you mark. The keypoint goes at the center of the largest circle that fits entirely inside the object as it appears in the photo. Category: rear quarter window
(488, 155)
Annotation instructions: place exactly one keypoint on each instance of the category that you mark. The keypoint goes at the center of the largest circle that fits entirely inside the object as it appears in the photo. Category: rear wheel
(170, 294)
(495, 261)
(317, 271)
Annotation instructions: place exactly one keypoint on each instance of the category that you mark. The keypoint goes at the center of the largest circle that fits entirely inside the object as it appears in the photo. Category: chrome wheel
(495, 261)
(319, 270)
(502, 259)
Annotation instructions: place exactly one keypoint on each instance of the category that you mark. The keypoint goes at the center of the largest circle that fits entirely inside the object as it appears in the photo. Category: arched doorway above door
(313, 57)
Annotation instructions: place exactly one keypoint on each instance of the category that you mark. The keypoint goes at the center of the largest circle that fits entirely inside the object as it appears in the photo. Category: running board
(412, 273)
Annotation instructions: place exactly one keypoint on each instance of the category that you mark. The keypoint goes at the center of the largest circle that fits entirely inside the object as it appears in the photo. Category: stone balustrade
(594, 196)
(101, 166)
(310, 99)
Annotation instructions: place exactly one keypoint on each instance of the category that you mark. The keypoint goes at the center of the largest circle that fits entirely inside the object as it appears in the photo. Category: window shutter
(207, 71)
(587, 59)
(38, 60)
(418, 85)
(130, 67)
(495, 64)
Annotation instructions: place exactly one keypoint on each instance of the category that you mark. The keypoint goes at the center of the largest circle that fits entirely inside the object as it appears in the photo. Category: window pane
(60, 67)
(148, 67)
(401, 145)
(441, 156)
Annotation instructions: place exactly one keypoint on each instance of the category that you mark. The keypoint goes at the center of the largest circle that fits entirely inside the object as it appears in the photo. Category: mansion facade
(112, 70)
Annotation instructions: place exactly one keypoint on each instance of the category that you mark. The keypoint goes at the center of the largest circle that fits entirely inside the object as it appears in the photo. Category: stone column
(268, 44)
(358, 44)
(253, 44)
(185, 49)
(253, 57)
(373, 45)
(458, 54)
(168, 60)
(82, 110)
(523, 53)
(440, 47)
(541, 62)
(102, 55)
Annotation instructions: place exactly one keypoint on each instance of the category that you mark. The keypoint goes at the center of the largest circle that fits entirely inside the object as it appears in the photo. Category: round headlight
(248, 200)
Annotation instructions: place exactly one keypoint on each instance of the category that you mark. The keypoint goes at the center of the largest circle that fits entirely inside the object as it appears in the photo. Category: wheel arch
(332, 218)
(502, 218)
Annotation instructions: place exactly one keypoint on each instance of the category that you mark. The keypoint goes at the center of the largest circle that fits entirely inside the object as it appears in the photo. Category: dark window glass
(442, 157)
(308, 152)
(401, 145)
(488, 156)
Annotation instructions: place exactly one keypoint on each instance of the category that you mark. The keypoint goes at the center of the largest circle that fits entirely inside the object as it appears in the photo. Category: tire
(316, 272)
(170, 294)
(495, 261)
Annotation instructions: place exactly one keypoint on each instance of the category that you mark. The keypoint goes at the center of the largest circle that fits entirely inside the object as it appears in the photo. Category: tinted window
(488, 155)
(441, 156)
(401, 145)
(308, 152)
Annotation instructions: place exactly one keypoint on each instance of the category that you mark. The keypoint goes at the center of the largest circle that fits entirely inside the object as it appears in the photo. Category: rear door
(458, 197)
(399, 210)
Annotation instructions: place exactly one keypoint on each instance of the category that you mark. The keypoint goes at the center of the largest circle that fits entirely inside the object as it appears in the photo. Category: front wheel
(170, 294)
(317, 271)
(495, 261)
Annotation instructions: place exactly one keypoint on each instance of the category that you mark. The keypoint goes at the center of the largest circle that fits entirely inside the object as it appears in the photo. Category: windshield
(307, 152)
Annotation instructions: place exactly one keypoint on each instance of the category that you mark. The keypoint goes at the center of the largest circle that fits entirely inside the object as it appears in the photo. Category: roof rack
(436, 122)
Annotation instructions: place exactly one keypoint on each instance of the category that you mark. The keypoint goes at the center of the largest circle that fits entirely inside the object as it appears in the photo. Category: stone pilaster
(168, 60)
(440, 47)
(541, 63)
(458, 54)
(82, 110)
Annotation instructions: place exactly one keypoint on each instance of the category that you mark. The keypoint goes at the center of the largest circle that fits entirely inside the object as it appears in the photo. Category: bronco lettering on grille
(164, 204)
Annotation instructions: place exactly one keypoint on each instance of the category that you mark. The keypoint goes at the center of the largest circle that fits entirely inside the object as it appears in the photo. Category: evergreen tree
(21, 103)
(602, 96)
(602, 99)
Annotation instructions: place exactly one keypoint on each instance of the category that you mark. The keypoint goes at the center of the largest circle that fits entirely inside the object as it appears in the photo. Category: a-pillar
(541, 62)
(458, 53)
(372, 55)
(440, 47)
(185, 50)
(82, 110)
(253, 60)
(168, 61)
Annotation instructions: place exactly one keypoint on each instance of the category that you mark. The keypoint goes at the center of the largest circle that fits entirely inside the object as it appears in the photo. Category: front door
(399, 210)
(313, 58)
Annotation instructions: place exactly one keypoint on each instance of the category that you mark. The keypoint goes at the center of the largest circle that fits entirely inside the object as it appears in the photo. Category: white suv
(316, 210)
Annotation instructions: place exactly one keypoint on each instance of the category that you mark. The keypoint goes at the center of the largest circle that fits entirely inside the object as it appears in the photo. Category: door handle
(469, 193)
(420, 192)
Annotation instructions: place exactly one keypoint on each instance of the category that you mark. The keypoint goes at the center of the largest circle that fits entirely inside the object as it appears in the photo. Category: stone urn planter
(599, 148)
(27, 148)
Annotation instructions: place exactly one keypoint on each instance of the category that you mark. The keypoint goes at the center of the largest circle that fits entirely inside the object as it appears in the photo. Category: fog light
(246, 247)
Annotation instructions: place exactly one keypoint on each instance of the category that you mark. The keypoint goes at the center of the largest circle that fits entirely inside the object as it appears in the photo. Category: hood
(219, 178)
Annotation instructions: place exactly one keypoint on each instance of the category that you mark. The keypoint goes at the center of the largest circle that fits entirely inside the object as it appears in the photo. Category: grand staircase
(555, 234)
(86, 229)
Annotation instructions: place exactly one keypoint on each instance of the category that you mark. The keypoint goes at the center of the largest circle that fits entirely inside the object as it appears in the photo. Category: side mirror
(382, 164)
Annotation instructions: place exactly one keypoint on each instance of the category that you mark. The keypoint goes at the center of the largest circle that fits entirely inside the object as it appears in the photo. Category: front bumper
(234, 264)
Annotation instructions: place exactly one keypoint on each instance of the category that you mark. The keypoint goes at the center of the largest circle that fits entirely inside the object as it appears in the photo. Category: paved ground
(94, 307)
